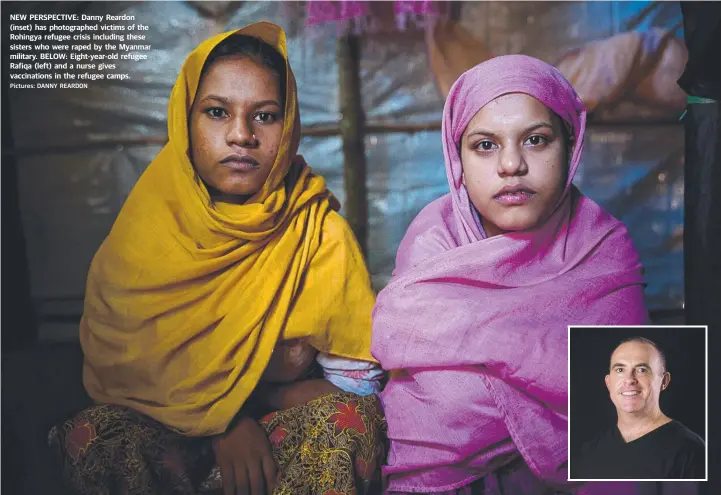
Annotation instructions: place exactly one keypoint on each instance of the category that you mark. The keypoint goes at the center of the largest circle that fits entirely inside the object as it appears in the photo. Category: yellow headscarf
(186, 299)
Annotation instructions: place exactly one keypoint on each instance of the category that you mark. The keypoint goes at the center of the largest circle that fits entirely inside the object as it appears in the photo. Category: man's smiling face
(636, 378)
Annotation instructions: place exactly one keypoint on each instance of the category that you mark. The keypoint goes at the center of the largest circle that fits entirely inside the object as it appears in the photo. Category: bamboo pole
(316, 130)
(352, 126)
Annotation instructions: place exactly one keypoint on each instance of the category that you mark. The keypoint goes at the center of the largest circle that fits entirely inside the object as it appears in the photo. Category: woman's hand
(289, 361)
(246, 460)
(279, 397)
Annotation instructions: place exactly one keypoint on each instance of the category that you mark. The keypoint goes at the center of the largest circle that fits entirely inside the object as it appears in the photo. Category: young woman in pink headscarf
(473, 324)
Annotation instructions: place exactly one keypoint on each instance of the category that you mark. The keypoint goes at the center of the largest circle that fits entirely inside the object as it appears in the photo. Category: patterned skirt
(331, 445)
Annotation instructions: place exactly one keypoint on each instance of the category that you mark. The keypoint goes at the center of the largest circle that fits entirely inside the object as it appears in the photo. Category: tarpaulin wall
(79, 152)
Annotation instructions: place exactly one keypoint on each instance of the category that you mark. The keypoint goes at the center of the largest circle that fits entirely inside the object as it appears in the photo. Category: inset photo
(638, 403)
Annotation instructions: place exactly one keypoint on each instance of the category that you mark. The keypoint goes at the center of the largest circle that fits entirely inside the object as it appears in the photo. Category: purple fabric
(406, 11)
(323, 11)
(476, 328)
(516, 479)
(512, 479)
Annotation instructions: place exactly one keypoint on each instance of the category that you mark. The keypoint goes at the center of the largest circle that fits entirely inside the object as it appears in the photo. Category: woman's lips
(240, 163)
(514, 197)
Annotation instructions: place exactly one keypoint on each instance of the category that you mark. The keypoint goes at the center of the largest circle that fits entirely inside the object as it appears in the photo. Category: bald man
(644, 443)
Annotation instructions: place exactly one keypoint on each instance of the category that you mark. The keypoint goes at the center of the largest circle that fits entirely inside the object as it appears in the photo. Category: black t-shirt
(671, 451)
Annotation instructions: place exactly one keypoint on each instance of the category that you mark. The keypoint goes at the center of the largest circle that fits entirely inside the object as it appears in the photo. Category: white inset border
(568, 385)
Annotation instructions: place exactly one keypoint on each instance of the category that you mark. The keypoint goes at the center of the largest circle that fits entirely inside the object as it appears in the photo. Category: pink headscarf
(478, 325)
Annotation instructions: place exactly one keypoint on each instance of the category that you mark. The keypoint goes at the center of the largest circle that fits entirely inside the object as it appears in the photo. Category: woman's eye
(485, 146)
(265, 117)
(536, 140)
(216, 112)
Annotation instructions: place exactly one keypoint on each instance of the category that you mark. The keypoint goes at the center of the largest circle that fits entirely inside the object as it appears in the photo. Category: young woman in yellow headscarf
(228, 288)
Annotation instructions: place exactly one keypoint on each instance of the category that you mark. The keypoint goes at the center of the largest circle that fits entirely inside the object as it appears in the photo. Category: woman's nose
(512, 162)
(241, 133)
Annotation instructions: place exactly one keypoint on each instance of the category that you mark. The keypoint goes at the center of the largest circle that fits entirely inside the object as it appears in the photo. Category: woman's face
(515, 163)
(236, 124)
